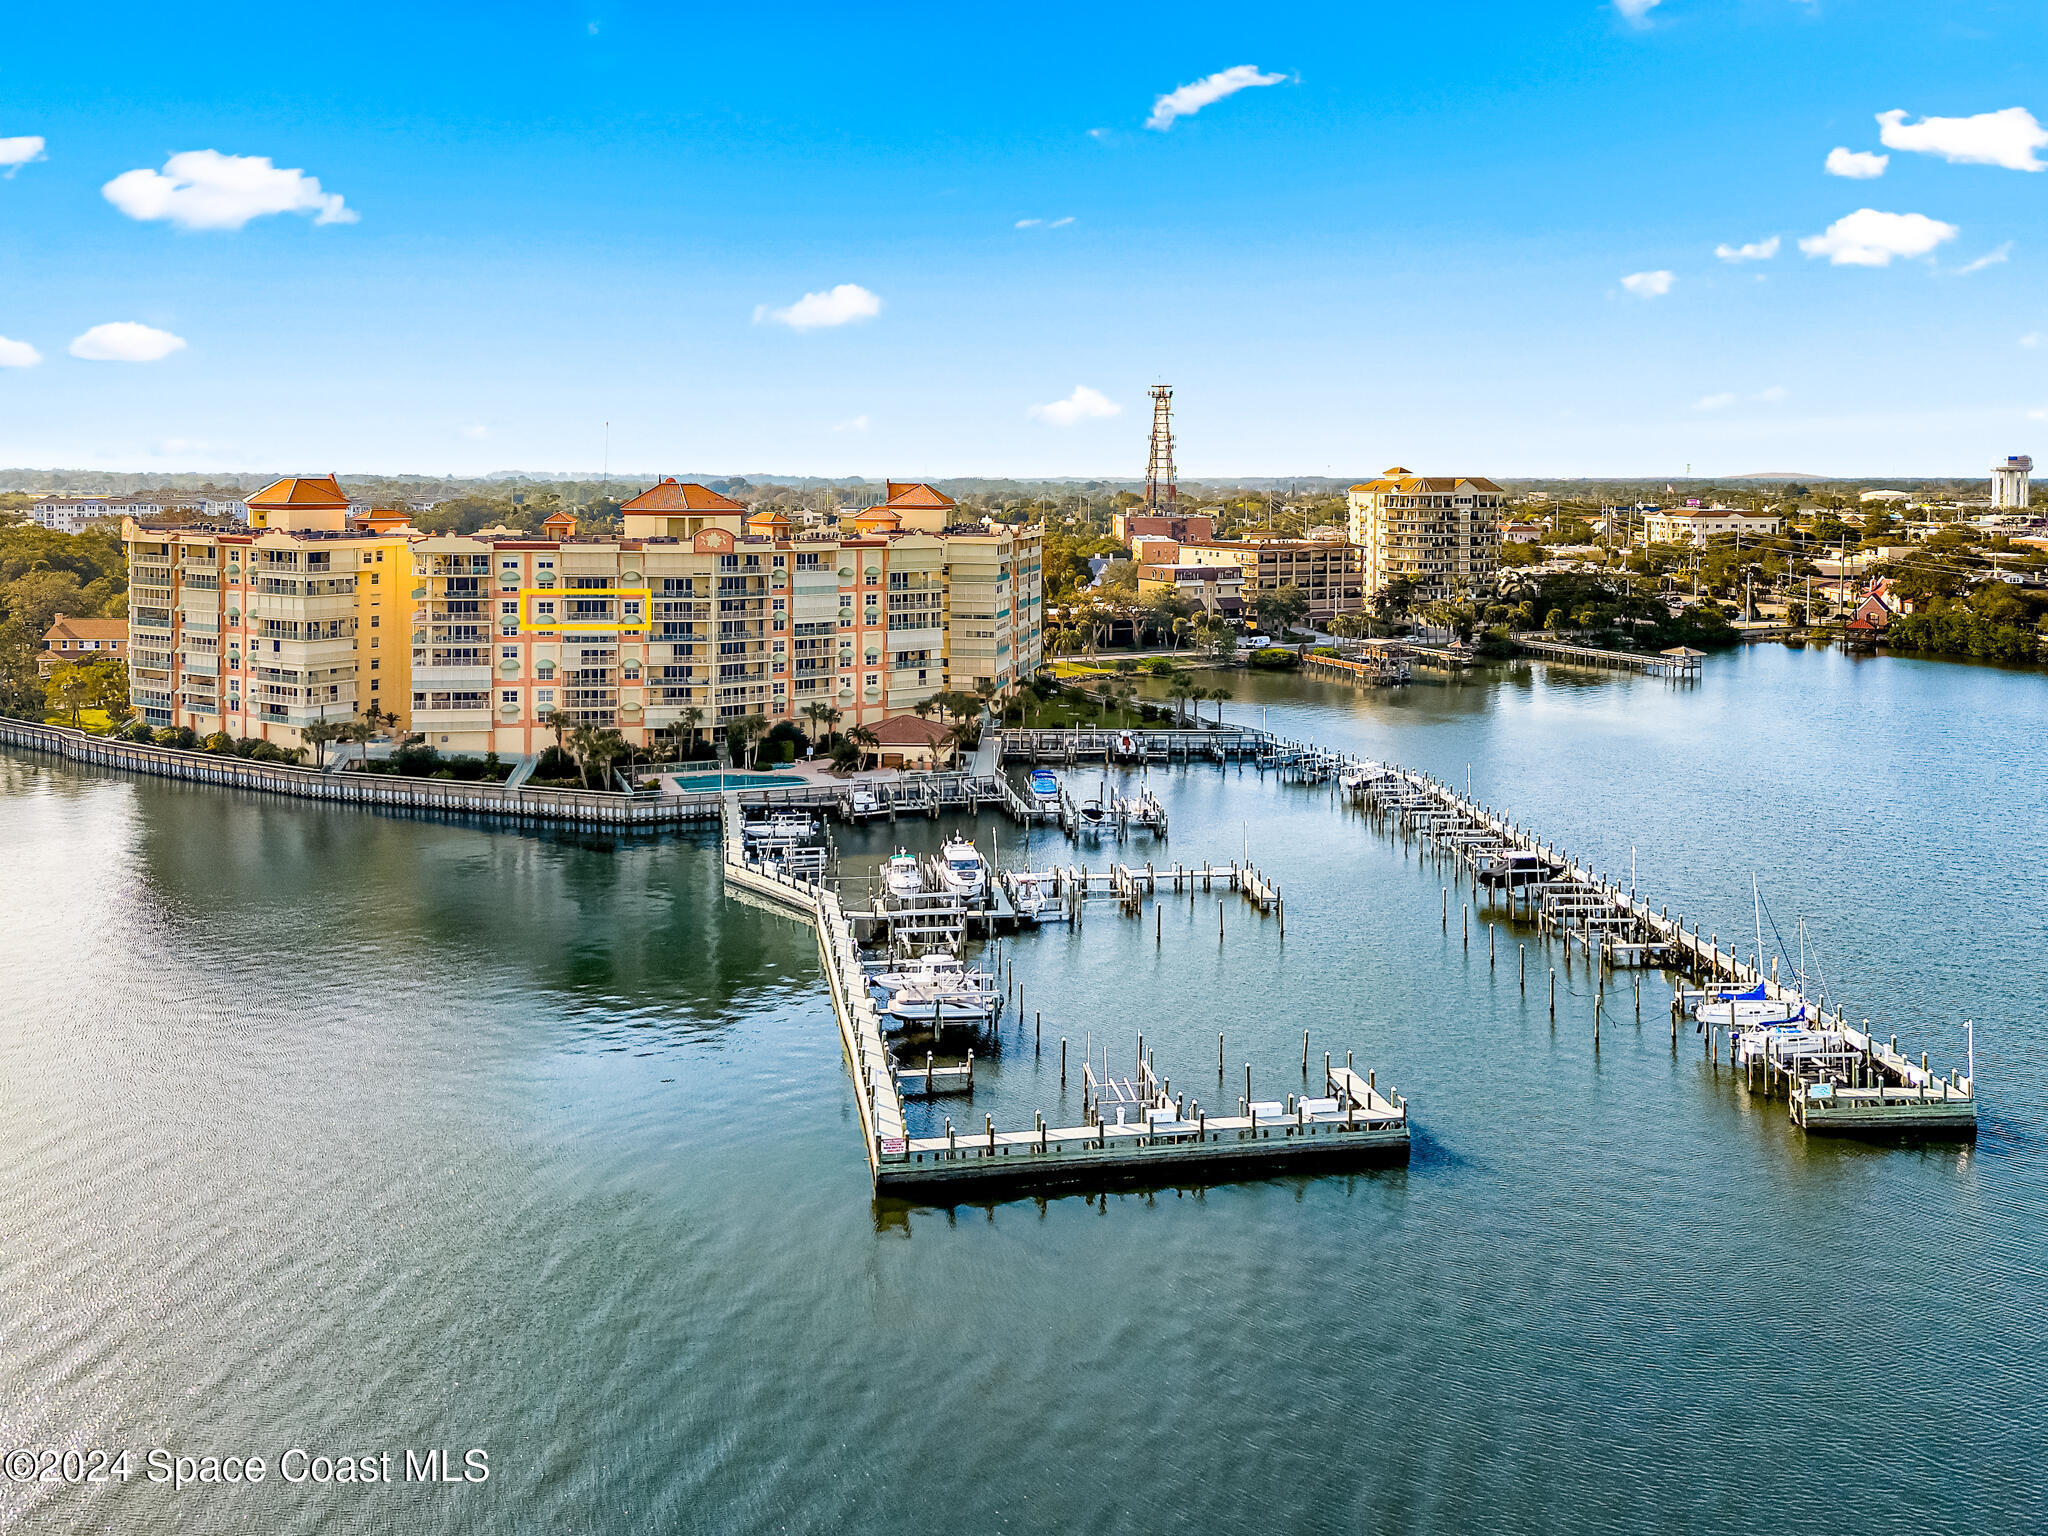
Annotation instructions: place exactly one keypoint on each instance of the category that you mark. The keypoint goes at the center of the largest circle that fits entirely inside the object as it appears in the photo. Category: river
(331, 1129)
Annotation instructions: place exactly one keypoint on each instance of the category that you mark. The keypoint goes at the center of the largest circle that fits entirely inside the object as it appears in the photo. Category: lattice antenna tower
(1162, 495)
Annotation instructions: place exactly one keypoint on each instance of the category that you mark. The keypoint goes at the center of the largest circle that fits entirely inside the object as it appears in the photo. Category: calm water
(328, 1129)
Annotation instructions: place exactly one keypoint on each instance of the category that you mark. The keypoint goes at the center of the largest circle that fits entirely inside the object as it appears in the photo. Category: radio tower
(1162, 497)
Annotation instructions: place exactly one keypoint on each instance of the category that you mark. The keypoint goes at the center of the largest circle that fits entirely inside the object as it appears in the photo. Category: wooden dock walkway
(1679, 663)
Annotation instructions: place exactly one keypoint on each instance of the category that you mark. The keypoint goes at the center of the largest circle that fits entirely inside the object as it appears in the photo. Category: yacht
(1045, 784)
(962, 870)
(938, 989)
(780, 827)
(901, 876)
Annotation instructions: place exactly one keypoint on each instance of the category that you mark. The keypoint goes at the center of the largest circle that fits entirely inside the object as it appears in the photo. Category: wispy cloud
(204, 189)
(1756, 250)
(1856, 164)
(1714, 402)
(2031, 339)
(1773, 394)
(1637, 12)
(1988, 259)
(1868, 238)
(852, 424)
(1045, 223)
(19, 151)
(1648, 285)
(477, 432)
(835, 306)
(1084, 404)
(2007, 138)
(18, 354)
(1190, 99)
(125, 341)
(1029, 223)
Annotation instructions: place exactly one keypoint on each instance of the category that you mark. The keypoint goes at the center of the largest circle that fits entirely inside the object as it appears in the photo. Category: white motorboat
(1030, 894)
(1045, 784)
(963, 871)
(901, 876)
(938, 990)
(1126, 744)
(780, 827)
(1094, 813)
(863, 802)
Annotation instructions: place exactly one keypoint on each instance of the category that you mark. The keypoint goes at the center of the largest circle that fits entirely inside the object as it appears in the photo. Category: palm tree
(923, 707)
(867, 741)
(1180, 690)
(693, 717)
(963, 736)
(582, 744)
(558, 722)
(820, 714)
(317, 736)
(746, 731)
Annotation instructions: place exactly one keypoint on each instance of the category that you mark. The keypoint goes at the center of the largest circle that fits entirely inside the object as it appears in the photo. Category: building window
(544, 697)
(509, 695)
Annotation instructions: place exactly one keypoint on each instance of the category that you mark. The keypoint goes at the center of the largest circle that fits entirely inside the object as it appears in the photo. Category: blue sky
(1403, 238)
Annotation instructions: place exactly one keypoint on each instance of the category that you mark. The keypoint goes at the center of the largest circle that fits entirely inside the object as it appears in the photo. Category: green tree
(1282, 608)
(864, 740)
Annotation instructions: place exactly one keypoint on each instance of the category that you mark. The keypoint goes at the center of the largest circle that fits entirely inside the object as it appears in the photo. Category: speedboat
(1045, 784)
(863, 801)
(1511, 870)
(1094, 813)
(1030, 894)
(901, 876)
(1126, 744)
(962, 870)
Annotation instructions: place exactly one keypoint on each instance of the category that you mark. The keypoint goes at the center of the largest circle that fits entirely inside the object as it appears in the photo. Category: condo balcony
(472, 678)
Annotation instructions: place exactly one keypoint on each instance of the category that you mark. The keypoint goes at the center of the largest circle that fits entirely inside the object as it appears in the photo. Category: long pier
(1681, 663)
(1353, 1123)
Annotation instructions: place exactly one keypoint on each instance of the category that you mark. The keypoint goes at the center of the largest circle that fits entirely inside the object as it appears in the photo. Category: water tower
(2009, 480)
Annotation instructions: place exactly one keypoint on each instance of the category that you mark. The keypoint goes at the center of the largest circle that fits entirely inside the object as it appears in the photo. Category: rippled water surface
(330, 1129)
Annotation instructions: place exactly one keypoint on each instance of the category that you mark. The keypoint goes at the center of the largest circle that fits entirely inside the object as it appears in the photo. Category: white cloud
(1773, 394)
(1713, 402)
(1637, 11)
(1190, 99)
(1045, 223)
(1756, 250)
(2031, 339)
(1061, 223)
(852, 424)
(476, 433)
(1098, 133)
(1648, 285)
(1988, 259)
(1856, 164)
(2007, 138)
(18, 354)
(123, 341)
(1867, 238)
(1029, 223)
(205, 189)
(835, 306)
(1084, 404)
(2037, 415)
(17, 152)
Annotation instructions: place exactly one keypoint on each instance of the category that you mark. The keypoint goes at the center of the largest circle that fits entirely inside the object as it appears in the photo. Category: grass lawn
(94, 720)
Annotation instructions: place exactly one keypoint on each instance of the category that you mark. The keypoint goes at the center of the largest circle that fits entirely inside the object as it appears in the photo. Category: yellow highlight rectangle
(585, 627)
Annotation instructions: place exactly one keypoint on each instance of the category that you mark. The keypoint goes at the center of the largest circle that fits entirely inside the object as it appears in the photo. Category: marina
(630, 1099)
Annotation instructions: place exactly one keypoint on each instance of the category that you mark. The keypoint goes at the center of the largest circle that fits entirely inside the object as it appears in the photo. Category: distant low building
(68, 639)
(1217, 589)
(1887, 496)
(1330, 575)
(1521, 533)
(910, 741)
(1695, 525)
(1184, 530)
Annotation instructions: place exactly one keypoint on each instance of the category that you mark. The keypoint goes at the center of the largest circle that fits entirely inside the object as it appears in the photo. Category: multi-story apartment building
(695, 607)
(259, 631)
(68, 640)
(1442, 534)
(1329, 572)
(1695, 525)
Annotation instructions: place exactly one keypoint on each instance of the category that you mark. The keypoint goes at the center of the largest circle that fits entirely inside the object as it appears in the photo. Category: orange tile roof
(301, 491)
(687, 496)
(86, 629)
(1429, 484)
(876, 520)
(916, 494)
(908, 731)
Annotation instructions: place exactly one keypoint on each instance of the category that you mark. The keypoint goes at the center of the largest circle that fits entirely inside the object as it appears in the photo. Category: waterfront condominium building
(260, 630)
(1441, 533)
(1329, 572)
(695, 614)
